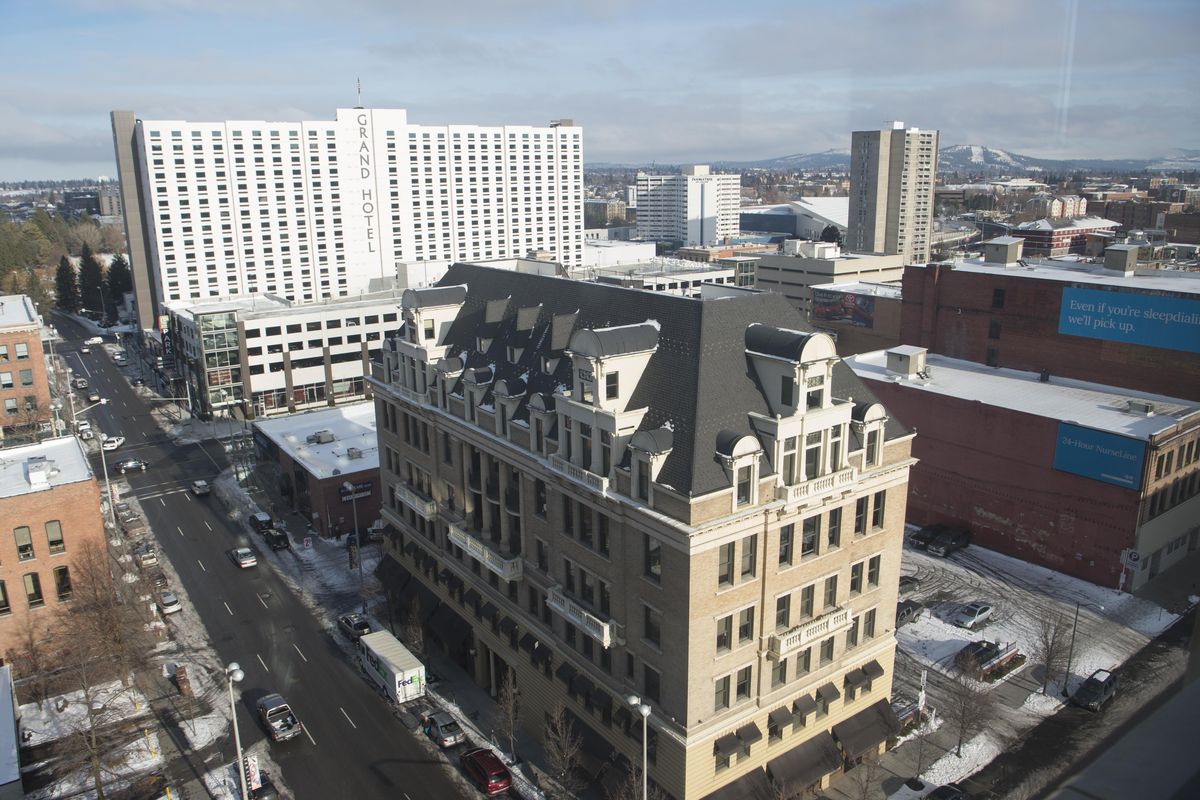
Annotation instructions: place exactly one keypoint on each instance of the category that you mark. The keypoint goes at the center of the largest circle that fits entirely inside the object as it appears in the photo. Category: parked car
(120, 359)
(949, 540)
(923, 537)
(112, 442)
(244, 557)
(94, 340)
(442, 728)
(168, 603)
(949, 791)
(277, 539)
(486, 770)
(909, 583)
(83, 348)
(266, 789)
(158, 579)
(93, 396)
(260, 521)
(80, 383)
(354, 625)
(972, 615)
(279, 719)
(907, 611)
(130, 464)
(144, 555)
(1097, 690)
(201, 488)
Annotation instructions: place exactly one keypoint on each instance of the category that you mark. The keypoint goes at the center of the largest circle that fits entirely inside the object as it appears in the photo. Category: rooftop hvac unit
(353, 452)
(1144, 407)
(321, 437)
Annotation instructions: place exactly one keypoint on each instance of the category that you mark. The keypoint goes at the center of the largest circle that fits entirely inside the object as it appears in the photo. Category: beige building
(892, 175)
(803, 265)
(615, 492)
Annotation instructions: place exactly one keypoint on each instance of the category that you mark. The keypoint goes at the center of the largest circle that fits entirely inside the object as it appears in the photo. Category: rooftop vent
(320, 437)
(907, 361)
(353, 452)
(1141, 407)
(41, 470)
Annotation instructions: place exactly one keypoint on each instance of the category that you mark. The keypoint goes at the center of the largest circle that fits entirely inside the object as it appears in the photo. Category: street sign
(308, 543)
(1130, 558)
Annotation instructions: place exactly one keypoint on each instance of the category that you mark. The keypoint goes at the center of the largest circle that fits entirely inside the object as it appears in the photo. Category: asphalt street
(354, 746)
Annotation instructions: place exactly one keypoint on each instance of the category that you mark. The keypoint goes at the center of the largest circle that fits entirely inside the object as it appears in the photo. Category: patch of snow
(977, 753)
(976, 154)
(44, 723)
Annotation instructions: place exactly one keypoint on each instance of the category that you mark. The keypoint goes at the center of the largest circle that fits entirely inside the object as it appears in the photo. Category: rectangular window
(725, 565)
(569, 576)
(827, 651)
(831, 591)
(33, 590)
(787, 391)
(651, 680)
(725, 633)
(807, 595)
(743, 486)
(778, 678)
(749, 556)
(643, 479)
(24, 543)
(835, 528)
(652, 622)
(860, 516)
(783, 611)
(992, 357)
(997, 298)
(721, 694)
(543, 559)
(22, 351)
(743, 682)
(856, 578)
(811, 537)
(872, 455)
(804, 661)
(877, 509)
(62, 582)
(786, 535)
(746, 624)
(873, 572)
(447, 447)
(5, 608)
(539, 498)
(852, 633)
(869, 624)
(54, 536)
(612, 385)
(994, 329)
(652, 558)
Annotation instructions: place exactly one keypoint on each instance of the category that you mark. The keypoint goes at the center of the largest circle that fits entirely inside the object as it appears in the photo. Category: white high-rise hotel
(695, 208)
(310, 210)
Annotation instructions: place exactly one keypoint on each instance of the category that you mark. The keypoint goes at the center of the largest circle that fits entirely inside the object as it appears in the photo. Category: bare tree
(969, 708)
(414, 634)
(863, 783)
(564, 748)
(921, 737)
(32, 658)
(111, 611)
(508, 709)
(1051, 645)
(630, 788)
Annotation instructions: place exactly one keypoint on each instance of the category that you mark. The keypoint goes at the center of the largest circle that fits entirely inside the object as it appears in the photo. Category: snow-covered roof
(17, 310)
(39, 467)
(833, 209)
(1091, 405)
(352, 426)
(1072, 270)
(1068, 223)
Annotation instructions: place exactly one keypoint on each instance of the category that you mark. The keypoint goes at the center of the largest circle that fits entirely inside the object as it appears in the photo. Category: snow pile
(135, 758)
(45, 723)
(977, 753)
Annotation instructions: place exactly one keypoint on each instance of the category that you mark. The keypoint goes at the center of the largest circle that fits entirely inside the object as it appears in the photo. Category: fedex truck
(391, 667)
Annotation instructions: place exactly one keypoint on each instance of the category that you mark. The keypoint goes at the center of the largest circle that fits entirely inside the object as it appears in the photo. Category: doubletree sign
(360, 490)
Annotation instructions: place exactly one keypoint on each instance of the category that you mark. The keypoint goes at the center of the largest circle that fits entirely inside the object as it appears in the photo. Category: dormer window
(872, 448)
(787, 391)
(612, 385)
(430, 337)
(642, 485)
(745, 483)
(790, 472)
(812, 455)
(816, 392)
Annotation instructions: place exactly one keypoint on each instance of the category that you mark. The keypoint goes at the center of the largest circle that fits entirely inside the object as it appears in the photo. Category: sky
(650, 82)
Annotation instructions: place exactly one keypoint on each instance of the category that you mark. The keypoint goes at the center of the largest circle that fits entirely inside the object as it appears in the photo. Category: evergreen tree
(118, 278)
(91, 276)
(34, 287)
(831, 233)
(66, 285)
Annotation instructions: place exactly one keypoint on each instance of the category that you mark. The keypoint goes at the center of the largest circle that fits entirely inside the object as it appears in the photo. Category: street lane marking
(347, 716)
(305, 659)
(201, 563)
(259, 596)
(86, 371)
(227, 608)
(207, 525)
(164, 502)
(179, 529)
(256, 655)
(188, 495)
(314, 743)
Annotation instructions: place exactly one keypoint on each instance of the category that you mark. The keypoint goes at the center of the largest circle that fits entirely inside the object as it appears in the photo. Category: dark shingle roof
(625, 339)
(441, 295)
(698, 382)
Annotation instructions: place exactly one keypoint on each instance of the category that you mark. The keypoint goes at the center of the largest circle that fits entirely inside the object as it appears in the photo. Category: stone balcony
(782, 645)
(606, 633)
(814, 489)
(507, 568)
(425, 507)
(579, 474)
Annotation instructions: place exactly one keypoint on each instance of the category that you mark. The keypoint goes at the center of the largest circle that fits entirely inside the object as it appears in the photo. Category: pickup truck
(279, 718)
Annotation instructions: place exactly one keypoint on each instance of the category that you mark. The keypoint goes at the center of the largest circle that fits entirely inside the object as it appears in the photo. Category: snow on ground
(977, 753)
(203, 731)
(135, 758)
(45, 723)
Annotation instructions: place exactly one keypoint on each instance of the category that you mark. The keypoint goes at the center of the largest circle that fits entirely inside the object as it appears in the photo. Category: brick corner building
(50, 509)
(24, 387)
(610, 492)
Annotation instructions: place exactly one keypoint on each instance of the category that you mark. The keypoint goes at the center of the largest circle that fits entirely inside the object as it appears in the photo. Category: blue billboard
(1172, 323)
(1100, 456)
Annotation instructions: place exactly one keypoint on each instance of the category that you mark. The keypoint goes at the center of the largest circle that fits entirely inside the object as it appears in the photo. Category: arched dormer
(507, 393)
(648, 450)
(739, 454)
(609, 362)
(447, 371)
(869, 422)
(476, 381)
(794, 368)
(542, 422)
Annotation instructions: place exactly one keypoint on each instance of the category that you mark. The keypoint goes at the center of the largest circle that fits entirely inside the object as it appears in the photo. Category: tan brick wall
(40, 388)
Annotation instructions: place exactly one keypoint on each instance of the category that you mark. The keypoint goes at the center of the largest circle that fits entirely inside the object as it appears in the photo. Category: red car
(486, 770)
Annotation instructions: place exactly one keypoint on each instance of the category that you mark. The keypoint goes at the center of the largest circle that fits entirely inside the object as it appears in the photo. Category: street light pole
(234, 675)
(636, 703)
(349, 487)
(112, 514)
(1071, 649)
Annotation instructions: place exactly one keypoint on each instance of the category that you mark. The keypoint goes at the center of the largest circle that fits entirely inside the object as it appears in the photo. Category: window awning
(855, 677)
(507, 625)
(781, 716)
(410, 548)
(623, 716)
(565, 672)
(392, 573)
(527, 642)
(489, 611)
(582, 685)
(542, 653)
(472, 596)
(872, 670)
(829, 693)
(806, 764)
(602, 700)
(867, 729)
(804, 705)
(749, 734)
(728, 744)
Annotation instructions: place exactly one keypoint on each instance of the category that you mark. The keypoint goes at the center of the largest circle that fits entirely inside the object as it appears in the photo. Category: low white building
(601, 253)
(264, 355)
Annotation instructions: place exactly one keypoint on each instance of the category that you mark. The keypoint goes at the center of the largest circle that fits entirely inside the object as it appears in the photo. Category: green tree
(34, 286)
(66, 285)
(91, 279)
(118, 278)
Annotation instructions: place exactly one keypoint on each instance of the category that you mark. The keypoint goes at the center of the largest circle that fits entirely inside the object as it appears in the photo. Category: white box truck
(391, 667)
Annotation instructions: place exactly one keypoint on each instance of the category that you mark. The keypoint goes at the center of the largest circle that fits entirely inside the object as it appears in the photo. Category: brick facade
(24, 389)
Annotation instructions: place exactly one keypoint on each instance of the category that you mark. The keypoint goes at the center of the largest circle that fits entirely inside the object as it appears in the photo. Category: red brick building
(49, 509)
(24, 389)
(1011, 315)
(1061, 473)
(1059, 237)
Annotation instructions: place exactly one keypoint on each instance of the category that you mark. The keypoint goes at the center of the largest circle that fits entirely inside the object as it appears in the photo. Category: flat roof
(64, 460)
(351, 426)
(888, 290)
(662, 266)
(1091, 405)
(17, 310)
(1005, 240)
(1071, 270)
(262, 305)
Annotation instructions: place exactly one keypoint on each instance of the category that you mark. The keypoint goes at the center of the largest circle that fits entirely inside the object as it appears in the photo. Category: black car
(1097, 690)
(927, 534)
(948, 541)
(909, 583)
(131, 464)
(950, 791)
(260, 522)
(907, 611)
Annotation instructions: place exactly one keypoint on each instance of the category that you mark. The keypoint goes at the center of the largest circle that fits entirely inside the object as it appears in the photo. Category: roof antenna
(358, 82)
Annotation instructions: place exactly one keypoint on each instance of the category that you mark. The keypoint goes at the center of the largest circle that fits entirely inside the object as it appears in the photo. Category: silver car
(972, 615)
(442, 728)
